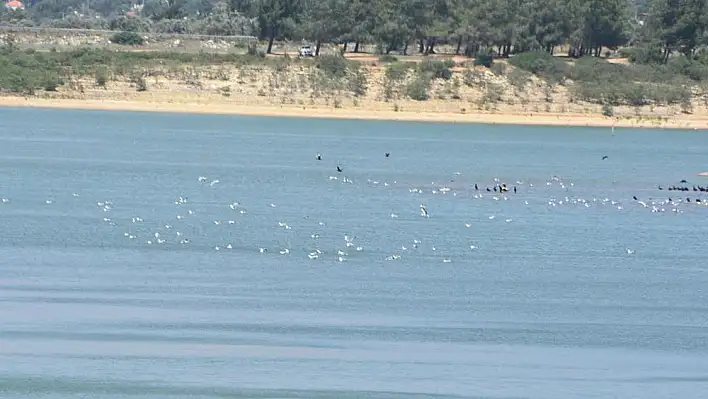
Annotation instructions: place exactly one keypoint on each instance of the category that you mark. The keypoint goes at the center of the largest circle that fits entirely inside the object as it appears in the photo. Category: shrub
(397, 71)
(101, 76)
(127, 39)
(498, 69)
(542, 64)
(419, 88)
(51, 81)
(607, 110)
(691, 69)
(358, 82)
(645, 54)
(493, 94)
(437, 69)
(518, 78)
(140, 83)
(472, 77)
(333, 65)
(484, 60)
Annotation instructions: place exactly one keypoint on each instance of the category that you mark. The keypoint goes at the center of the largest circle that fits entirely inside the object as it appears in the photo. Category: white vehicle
(306, 51)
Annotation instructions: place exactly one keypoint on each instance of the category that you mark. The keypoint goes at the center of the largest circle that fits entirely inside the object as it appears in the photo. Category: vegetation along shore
(578, 62)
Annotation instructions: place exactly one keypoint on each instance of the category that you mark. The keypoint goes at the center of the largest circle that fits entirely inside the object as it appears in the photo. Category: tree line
(656, 28)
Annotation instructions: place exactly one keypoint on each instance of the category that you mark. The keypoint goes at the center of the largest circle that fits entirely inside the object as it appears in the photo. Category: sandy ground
(370, 113)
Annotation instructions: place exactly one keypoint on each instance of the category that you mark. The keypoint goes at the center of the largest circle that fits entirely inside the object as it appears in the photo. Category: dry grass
(472, 94)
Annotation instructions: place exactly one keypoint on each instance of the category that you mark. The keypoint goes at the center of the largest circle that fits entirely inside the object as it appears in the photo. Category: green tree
(676, 26)
(326, 21)
(276, 17)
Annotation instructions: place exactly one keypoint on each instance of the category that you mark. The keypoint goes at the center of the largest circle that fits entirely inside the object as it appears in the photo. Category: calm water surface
(113, 287)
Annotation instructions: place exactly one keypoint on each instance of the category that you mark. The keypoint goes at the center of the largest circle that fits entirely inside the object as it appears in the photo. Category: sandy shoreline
(368, 113)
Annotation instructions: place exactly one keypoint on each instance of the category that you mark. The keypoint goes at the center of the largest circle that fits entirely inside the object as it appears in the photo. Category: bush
(485, 60)
(691, 69)
(499, 69)
(51, 81)
(473, 77)
(333, 65)
(542, 64)
(397, 71)
(102, 76)
(419, 88)
(519, 78)
(127, 39)
(140, 83)
(358, 82)
(645, 54)
(493, 94)
(592, 69)
(437, 69)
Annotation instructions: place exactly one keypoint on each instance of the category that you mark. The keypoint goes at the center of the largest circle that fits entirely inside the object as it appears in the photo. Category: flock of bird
(176, 230)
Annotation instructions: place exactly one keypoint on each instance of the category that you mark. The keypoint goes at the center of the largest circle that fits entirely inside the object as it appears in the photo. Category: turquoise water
(567, 288)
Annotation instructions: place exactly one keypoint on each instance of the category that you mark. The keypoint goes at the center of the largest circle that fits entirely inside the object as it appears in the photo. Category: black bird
(635, 198)
(604, 157)
(339, 169)
(388, 154)
(660, 188)
(683, 181)
(514, 189)
(475, 187)
(319, 157)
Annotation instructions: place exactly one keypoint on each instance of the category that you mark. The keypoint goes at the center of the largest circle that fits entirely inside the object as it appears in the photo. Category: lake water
(111, 286)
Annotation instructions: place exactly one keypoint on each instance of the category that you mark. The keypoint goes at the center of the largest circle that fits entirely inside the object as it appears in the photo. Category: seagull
(424, 211)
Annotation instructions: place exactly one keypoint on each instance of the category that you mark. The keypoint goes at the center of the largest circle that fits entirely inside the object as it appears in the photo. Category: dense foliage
(662, 27)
